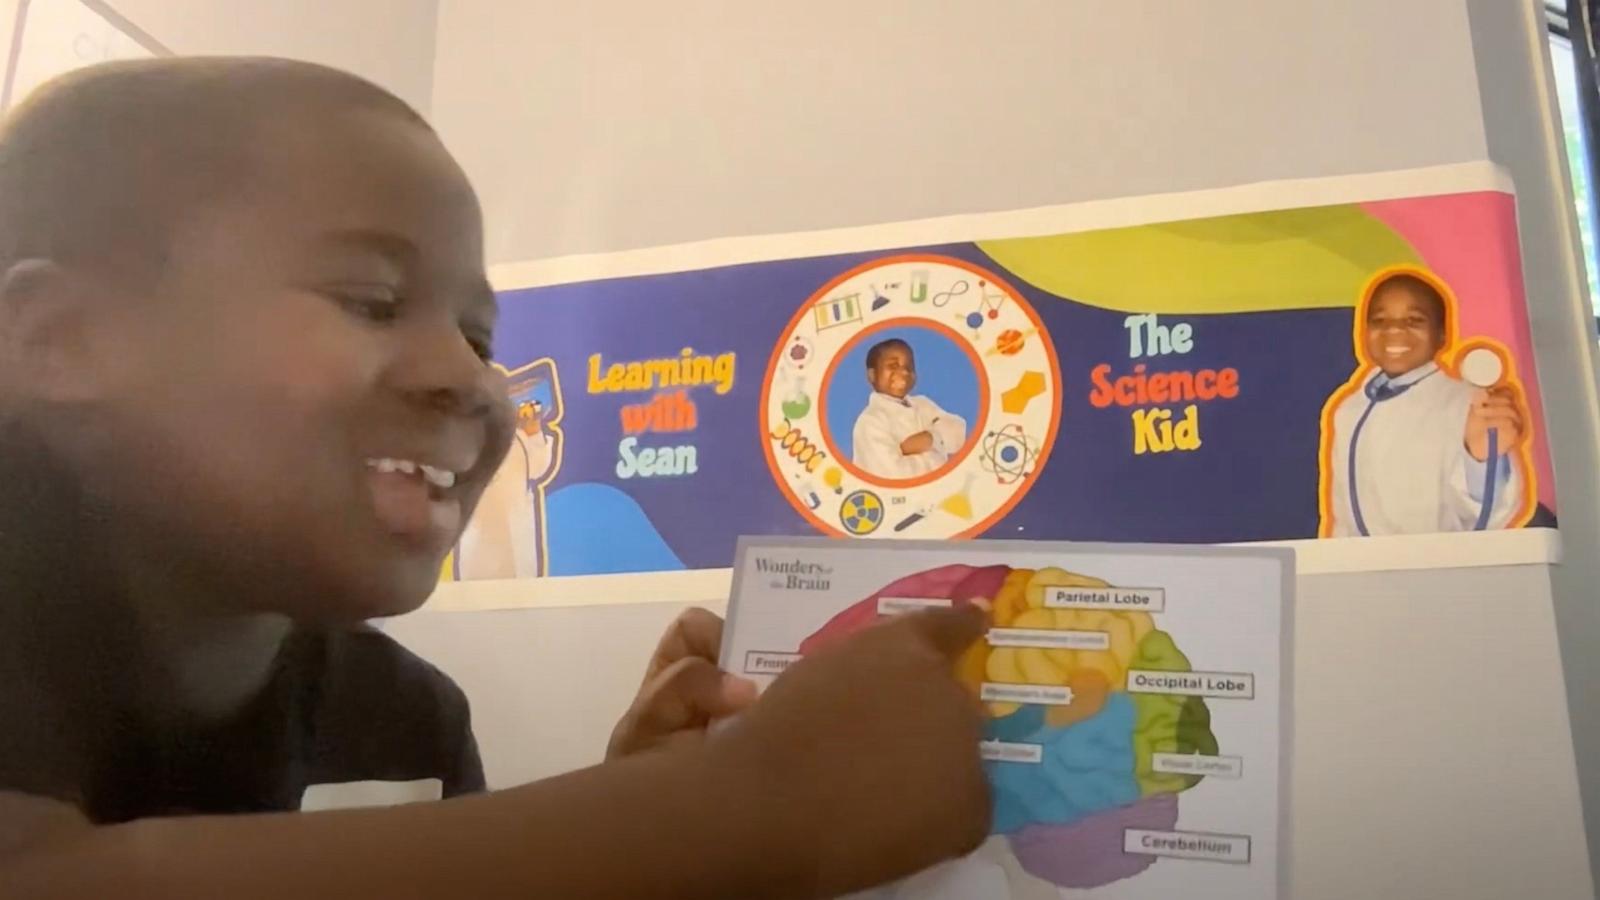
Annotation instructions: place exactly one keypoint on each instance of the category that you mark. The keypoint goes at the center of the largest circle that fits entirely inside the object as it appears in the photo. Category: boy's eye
(1409, 322)
(370, 301)
(482, 345)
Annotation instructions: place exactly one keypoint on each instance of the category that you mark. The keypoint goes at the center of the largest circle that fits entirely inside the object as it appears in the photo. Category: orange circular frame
(1045, 446)
(955, 458)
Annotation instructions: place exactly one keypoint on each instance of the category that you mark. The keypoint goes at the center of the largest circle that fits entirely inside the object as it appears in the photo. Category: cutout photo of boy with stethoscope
(1412, 444)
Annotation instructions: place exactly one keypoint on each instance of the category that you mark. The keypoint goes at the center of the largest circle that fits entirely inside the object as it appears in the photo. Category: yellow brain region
(1091, 674)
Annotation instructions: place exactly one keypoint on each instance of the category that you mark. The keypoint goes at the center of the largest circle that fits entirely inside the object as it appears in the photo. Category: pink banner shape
(1470, 241)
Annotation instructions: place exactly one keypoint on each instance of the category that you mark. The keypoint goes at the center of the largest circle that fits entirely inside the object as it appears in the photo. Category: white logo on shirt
(359, 794)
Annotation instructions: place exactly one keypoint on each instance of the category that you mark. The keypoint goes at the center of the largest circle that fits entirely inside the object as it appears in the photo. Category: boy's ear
(46, 317)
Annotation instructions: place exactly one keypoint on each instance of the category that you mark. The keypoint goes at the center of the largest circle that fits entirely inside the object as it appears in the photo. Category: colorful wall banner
(1360, 365)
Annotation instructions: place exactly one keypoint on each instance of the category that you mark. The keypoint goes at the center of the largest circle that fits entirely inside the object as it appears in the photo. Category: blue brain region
(1085, 768)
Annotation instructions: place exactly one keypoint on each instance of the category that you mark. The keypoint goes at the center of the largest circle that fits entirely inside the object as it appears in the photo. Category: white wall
(1434, 754)
(388, 41)
(605, 126)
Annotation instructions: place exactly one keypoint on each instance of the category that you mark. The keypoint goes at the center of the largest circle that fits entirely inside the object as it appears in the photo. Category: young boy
(244, 405)
(1409, 449)
(900, 435)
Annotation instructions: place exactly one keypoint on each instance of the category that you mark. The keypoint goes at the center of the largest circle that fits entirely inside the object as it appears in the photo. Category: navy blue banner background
(1254, 477)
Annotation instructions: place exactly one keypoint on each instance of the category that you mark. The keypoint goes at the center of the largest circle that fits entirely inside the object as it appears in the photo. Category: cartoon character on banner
(506, 536)
(1429, 434)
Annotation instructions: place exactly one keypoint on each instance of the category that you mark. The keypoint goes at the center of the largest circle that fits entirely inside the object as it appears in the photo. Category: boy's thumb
(952, 631)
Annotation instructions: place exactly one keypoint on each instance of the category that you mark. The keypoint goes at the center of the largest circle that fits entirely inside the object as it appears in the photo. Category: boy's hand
(862, 759)
(683, 690)
(1495, 408)
(921, 442)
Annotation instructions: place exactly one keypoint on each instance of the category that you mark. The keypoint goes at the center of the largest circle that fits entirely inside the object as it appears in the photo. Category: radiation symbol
(861, 513)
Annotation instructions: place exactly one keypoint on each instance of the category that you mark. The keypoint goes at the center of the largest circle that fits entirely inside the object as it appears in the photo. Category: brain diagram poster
(1136, 697)
(1330, 359)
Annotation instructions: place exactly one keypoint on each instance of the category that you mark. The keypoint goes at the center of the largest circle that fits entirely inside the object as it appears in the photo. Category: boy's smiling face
(1403, 330)
(302, 414)
(896, 372)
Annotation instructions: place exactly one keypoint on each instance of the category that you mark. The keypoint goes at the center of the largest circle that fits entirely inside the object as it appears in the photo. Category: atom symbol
(1009, 453)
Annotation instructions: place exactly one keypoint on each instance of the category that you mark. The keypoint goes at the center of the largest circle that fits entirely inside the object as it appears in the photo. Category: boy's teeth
(439, 478)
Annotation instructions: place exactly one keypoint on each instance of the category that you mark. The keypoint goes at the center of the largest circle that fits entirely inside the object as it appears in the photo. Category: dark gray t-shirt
(341, 706)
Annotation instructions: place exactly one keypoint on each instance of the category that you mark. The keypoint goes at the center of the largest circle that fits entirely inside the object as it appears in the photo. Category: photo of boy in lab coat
(1409, 447)
(901, 435)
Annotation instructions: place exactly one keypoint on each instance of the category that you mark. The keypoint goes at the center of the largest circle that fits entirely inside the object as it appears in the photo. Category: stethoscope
(1479, 367)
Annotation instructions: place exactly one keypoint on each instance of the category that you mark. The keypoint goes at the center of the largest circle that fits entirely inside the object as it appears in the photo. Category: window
(1577, 156)
(1563, 60)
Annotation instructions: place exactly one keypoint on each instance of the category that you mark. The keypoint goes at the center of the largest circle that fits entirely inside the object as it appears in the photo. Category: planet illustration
(1010, 342)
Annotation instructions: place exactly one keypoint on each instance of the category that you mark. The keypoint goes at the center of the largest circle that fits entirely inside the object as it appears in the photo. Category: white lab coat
(887, 422)
(502, 540)
(1413, 474)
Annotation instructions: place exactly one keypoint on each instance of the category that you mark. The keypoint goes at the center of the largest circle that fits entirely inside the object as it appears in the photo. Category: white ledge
(709, 587)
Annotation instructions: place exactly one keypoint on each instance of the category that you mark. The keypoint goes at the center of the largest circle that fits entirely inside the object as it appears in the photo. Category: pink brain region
(1069, 776)
(959, 584)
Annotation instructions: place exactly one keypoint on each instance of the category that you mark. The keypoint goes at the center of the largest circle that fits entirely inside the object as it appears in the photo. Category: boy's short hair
(1419, 286)
(98, 166)
(877, 350)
